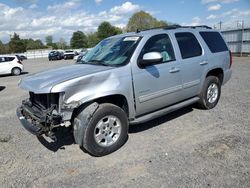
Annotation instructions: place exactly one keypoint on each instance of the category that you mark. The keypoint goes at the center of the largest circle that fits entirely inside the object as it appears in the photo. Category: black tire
(204, 102)
(89, 141)
(16, 71)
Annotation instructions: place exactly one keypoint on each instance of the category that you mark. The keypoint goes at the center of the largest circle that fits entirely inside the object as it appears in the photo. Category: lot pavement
(188, 148)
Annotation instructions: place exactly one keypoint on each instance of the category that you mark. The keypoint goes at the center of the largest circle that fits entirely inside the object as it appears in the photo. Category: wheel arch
(218, 72)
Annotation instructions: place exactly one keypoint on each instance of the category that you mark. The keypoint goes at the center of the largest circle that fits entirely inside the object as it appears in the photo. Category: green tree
(143, 20)
(105, 30)
(17, 45)
(78, 40)
(33, 44)
(49, 40)
(4, 48)
(92, 39)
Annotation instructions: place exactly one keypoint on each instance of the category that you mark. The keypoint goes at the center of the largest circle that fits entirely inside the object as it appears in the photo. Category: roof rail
(160, 27)
(174, 27)
(195, 26)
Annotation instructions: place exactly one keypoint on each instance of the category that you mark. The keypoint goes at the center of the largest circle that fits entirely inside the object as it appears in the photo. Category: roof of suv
(157, 30)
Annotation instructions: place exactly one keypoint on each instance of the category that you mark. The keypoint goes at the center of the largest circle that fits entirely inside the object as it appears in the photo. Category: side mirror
(151, 58)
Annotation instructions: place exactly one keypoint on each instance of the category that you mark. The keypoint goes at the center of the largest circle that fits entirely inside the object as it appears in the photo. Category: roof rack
(174, 27)
(204, 26)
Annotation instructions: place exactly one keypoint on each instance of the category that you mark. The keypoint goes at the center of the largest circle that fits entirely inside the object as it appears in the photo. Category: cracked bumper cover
(26, 124)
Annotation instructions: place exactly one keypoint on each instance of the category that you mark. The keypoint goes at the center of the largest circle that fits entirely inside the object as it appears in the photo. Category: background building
(238, 40)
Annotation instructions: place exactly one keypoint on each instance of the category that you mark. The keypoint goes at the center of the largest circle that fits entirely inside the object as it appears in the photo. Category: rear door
(158, 85)
(5, 65)
(193, 63)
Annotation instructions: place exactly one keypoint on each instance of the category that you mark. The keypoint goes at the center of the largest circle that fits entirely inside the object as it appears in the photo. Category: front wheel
(210, 93)
(106, 131)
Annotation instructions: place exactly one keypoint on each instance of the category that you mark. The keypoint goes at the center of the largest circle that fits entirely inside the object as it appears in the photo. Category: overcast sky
(39, 18)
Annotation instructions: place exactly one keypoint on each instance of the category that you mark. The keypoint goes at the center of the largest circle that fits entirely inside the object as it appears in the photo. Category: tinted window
(9, 58)
(214, 41)
(162, 44)
(188, 44)
(2, 59)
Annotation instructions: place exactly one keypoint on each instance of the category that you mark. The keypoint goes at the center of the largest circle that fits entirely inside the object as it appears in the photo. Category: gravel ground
(188, 148)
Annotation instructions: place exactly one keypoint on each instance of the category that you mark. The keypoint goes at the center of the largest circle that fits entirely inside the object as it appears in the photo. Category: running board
(164, 111)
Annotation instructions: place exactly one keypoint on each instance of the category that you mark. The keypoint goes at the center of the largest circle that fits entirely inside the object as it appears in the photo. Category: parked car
(127, 79)
(10, 65)
(69, 54)
(80, 55)
(55, 55)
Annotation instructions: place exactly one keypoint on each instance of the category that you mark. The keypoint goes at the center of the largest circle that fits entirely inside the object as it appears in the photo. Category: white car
(10, 64)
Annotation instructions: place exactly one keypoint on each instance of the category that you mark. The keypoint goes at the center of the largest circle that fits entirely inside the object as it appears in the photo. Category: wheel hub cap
(107, 131)
(212, 93)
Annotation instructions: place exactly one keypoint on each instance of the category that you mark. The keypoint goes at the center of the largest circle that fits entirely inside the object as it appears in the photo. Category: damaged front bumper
(39, 120)
(27, 124)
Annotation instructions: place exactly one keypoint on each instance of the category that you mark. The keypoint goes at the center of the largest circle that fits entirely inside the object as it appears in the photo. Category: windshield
(112, 51)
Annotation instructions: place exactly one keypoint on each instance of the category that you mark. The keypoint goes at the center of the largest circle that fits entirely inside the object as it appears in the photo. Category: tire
(210, 93)
(106, 131)
(16, 71)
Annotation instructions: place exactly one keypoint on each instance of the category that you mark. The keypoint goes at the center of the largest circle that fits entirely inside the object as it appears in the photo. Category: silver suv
(127, 79)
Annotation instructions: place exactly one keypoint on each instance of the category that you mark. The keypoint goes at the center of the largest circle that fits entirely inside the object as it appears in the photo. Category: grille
(44, 101)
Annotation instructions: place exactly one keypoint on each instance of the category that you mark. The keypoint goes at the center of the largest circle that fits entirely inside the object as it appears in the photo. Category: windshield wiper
(96, 61)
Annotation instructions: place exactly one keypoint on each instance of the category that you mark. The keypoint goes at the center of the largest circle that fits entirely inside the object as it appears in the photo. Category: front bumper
(28, 125)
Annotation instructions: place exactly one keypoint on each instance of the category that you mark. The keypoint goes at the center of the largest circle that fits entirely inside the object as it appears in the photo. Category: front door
(158, 85)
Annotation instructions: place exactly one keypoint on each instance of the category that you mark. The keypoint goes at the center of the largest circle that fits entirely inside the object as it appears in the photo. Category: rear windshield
(214, 41)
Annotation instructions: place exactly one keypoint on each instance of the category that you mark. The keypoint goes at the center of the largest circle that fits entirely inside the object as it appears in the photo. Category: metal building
(238, 40)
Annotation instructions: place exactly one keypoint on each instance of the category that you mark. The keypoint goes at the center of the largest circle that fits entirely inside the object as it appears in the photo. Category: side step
(164, 111)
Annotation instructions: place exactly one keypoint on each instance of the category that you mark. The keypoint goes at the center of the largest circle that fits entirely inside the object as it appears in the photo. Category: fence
(238, 40)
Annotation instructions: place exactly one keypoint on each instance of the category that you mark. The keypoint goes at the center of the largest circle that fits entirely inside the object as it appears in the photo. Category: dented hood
(43, 82)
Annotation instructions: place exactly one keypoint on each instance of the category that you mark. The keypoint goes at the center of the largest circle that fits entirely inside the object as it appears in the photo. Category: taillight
(19, 62)
(231, 59)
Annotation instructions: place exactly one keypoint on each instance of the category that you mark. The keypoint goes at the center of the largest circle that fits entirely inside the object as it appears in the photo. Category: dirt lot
(188, 148)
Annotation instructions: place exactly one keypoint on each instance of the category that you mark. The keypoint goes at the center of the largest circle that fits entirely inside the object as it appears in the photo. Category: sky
(39, 18)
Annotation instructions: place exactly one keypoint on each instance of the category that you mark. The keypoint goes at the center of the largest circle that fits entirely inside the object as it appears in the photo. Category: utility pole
(242, 35)
(220, 23)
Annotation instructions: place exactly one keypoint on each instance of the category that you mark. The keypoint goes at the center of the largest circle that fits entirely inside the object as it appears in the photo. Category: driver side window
(159, 43)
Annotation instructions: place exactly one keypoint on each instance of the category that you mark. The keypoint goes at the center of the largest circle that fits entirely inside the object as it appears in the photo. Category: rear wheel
(16, 71)
(210, 93)
(106, 131)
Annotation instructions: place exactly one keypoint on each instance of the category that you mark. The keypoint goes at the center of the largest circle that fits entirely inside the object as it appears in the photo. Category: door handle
(173, 70)
(203, 63)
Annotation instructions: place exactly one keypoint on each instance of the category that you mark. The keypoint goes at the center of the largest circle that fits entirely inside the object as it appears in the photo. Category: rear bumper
(227, 76)
(26, 124)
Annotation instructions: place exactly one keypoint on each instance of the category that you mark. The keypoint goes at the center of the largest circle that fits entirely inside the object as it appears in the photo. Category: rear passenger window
(188, 44)
(9, 59)
(214, 41)
(160, 43)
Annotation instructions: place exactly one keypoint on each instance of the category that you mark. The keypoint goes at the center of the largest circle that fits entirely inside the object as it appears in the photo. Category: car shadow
(2, 88)
(7, 75)
(63, 137)
(158, 121)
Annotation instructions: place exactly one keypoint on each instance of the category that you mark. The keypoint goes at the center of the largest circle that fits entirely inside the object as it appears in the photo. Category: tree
(4, 48)
(62, 44)
(92, 39)
(49, 40)
(105, 30)
(17, 45)
(33, 44)
(78, 40)
(143, 20)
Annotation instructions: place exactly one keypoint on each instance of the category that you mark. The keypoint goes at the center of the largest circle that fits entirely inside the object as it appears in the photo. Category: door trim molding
(160, 93)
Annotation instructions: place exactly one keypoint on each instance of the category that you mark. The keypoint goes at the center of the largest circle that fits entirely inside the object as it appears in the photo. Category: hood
(43, 82)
